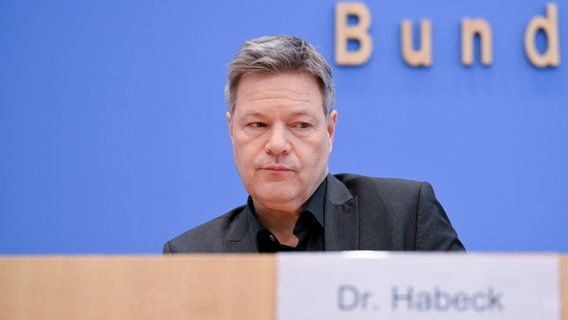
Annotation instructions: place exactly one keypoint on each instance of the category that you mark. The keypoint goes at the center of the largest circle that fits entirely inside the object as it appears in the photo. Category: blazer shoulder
(207, 237)
(408, 212)
(358, 184)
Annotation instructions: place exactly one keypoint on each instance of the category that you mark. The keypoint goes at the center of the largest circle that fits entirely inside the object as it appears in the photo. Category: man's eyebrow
(301, 113)
(304, 114)
(249, 114)
(258, 115)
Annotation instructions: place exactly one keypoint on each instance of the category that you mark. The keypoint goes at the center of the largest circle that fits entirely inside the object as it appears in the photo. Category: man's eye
(303, 125)
(257, 124)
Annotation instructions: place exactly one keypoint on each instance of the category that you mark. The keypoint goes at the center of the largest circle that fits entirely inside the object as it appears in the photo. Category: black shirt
(309, 226)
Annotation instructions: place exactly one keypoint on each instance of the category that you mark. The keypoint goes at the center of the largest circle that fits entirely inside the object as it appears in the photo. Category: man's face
(281, 139)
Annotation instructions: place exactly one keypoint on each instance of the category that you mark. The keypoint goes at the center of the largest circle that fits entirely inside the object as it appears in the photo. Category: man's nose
(278, 140)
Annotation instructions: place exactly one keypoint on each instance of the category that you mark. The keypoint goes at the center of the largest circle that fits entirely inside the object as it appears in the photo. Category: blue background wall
(113, 136)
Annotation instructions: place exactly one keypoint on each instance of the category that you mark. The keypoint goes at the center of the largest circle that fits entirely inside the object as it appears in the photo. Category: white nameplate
(376, 285)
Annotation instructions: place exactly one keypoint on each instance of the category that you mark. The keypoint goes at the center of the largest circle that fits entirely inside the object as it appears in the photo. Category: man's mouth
(276, 167)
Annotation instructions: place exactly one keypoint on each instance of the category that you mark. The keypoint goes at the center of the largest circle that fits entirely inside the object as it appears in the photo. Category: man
(281, 120)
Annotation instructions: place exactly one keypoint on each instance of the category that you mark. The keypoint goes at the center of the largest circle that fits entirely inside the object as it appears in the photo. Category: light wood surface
(564, 286)
(174, 287)
(171, 287)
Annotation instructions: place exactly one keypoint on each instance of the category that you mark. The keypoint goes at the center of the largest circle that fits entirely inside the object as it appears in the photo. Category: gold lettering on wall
(549, 25)
(357, 32)
(422, 56)
(353, 23)
(471, 28)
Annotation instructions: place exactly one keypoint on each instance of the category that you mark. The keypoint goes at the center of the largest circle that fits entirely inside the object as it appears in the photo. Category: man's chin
(278, 197)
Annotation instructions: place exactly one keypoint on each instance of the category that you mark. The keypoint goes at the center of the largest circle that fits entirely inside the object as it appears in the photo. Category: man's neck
(280, 223)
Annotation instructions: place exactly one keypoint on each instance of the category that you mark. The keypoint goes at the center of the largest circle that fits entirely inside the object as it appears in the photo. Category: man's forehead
(288, 112)
(288, 92)
(295, 82)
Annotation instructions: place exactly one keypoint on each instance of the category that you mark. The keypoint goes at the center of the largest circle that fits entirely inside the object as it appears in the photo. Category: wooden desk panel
(564, 286)
(173, 287)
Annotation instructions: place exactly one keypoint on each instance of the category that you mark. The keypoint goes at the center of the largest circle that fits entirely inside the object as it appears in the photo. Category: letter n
(549, 25)
(423, 56)
(471, 28)
(358, 32)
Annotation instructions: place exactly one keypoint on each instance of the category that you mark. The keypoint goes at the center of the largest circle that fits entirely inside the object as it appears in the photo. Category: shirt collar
(315, 205)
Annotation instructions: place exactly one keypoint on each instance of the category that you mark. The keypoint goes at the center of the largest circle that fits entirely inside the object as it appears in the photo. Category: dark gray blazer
(361, 213)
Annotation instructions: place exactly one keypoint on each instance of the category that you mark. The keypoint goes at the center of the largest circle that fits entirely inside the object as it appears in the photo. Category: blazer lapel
(341, 223)
(341, 217)
(238, 238)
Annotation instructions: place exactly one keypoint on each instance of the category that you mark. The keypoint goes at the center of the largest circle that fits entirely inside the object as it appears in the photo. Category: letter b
(442, 300)
(358, 32)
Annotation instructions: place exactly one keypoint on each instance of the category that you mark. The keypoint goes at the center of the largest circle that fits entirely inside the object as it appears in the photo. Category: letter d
(347, 297)
(549, 25)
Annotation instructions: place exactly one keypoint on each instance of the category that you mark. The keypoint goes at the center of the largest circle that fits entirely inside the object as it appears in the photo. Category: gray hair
(279, 54)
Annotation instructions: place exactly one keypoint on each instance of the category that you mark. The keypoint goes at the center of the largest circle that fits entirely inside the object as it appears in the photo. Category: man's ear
(331, 127)
(228, 115)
